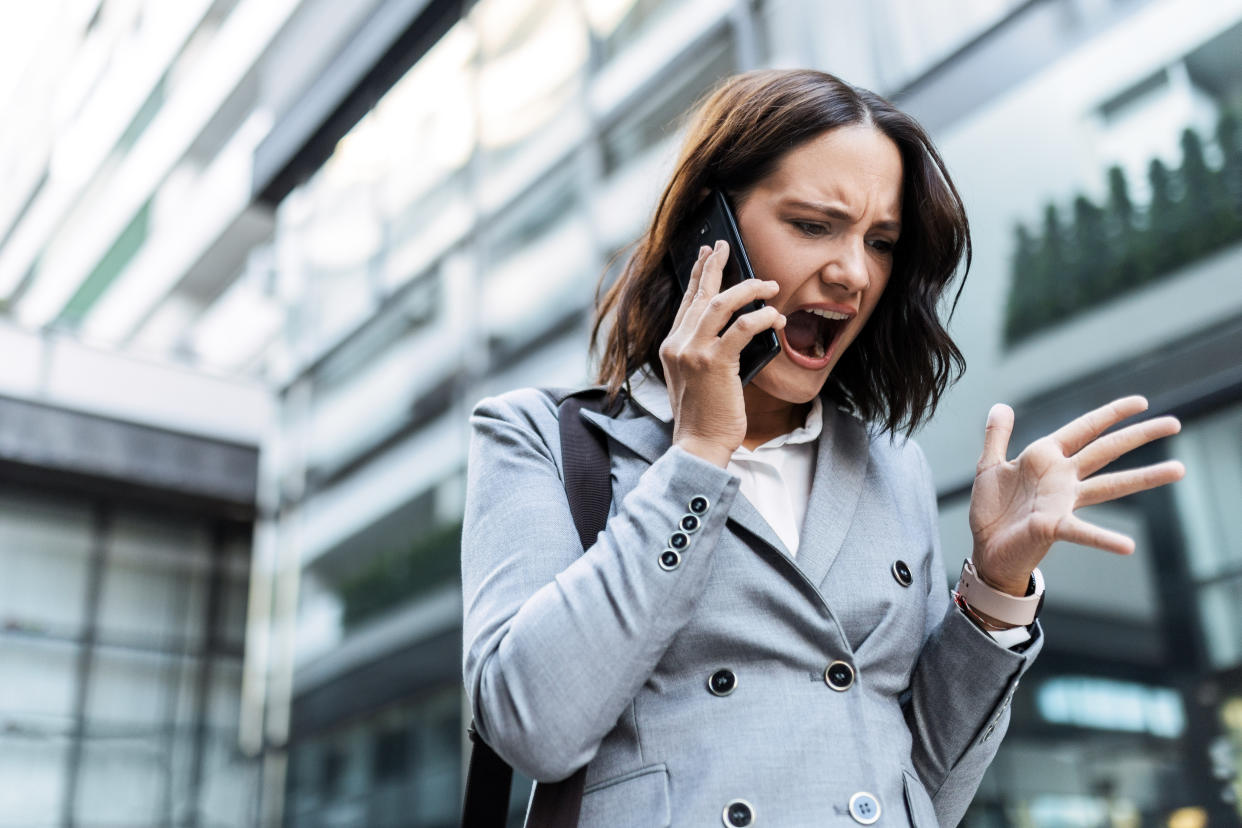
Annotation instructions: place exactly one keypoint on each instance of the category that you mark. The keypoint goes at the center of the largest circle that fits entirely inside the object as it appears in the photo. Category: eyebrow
(841, 215)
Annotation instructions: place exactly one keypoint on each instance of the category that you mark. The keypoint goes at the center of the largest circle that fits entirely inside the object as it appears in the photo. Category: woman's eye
(883, 245)
(810, 228)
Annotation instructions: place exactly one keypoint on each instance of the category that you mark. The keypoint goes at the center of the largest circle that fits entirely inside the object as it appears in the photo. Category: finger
(713, 269)
(747, 325)
(1107, 487)
(1076, 530)
(693, 285)
(996, 436)
(1099, 453)
(1075, 434)
(722, 306)
(710, 274)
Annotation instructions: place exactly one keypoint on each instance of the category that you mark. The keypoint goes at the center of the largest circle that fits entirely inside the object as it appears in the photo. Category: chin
(789, 382)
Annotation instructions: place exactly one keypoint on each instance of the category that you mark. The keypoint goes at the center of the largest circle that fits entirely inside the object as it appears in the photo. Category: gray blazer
(816, 691)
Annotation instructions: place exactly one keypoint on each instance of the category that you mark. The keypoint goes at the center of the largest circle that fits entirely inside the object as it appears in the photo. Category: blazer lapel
(646, 436)
(649, 437)
(744, 515)
(840, 466)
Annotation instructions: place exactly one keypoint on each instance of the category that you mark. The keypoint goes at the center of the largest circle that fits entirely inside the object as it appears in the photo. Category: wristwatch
(1002, 606)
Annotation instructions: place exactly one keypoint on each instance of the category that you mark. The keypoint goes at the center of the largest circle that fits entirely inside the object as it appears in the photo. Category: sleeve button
(669, 560)
(699, 504)
(689, 523)
(679, 540)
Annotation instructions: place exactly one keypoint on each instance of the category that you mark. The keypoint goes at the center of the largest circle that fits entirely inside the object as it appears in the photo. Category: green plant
(1103, 252)
(398, 576)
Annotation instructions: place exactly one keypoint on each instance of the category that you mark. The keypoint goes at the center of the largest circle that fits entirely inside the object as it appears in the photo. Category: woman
(799, 661)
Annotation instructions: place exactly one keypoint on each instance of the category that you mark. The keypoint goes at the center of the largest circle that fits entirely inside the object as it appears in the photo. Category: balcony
(1104, 252)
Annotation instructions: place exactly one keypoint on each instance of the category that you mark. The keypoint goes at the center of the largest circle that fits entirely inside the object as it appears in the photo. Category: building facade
(126, 520)
(379, 213)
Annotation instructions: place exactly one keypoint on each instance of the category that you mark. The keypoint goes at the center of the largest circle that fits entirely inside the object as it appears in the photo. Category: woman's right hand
(701, 367)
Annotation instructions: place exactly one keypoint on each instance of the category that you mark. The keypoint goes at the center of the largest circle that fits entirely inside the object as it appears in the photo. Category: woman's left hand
(1020, 507)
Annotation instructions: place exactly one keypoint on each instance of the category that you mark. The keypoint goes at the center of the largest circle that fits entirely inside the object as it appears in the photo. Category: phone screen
(713, 221)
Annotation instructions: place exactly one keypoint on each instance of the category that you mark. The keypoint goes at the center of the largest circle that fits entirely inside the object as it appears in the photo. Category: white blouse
(776, 476)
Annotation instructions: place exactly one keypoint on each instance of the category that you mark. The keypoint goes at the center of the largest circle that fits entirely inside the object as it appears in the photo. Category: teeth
(827, 314)
(818, 351)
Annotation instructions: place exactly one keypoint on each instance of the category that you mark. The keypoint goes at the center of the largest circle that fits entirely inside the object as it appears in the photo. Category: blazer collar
(841, 465)
(634, 428)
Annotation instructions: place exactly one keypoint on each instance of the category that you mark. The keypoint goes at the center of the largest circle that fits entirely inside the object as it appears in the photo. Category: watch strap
(1009, 609)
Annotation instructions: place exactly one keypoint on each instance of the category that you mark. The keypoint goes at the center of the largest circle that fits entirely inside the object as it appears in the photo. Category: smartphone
(713, 221)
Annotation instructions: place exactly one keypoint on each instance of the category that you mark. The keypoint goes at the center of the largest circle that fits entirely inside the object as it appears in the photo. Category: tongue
(801, 330)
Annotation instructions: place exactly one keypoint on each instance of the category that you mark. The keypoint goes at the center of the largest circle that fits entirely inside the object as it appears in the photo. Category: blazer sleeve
(558, 641)
(961, 689)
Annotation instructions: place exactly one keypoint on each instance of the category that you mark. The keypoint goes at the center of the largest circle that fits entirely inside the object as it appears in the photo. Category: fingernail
(704, 250)
(720, 244)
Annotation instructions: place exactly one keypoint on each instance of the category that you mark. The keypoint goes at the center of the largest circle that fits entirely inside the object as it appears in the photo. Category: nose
(847, 266)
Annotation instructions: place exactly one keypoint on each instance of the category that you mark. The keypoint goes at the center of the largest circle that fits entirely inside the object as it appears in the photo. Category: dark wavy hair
(895, 372)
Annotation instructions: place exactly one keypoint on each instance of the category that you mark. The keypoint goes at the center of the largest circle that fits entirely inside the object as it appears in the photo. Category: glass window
(372, 386)
(413, 309)
(44, 549)
(341, 234)
(517, 225)
(532, 53)
(427, 124)
(122, 780)
(1220, 613)
(618, 23)
(236, 585)
(154, 583)
(140, 683)
(384, 193)
(539, 261)
(39, 763)
(661, 115)
(40, 673)
(911, 36)
(1207, 500)
(399, 767)
(132, 691)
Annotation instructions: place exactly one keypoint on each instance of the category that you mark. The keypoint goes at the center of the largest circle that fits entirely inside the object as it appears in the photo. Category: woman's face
(823, 225)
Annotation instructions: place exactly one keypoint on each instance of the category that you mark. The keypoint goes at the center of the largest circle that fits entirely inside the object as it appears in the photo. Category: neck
(768, 416)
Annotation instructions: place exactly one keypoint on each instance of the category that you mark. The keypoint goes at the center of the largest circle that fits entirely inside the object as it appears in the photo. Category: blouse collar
(649, 392)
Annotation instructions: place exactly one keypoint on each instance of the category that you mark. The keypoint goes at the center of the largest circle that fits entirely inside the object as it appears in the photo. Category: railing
(1102, 252)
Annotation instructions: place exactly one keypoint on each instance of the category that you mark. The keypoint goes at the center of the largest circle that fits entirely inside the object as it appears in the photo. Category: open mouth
(812, 332)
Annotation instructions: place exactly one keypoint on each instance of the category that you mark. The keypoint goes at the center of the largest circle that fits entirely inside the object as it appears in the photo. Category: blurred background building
(259, 258)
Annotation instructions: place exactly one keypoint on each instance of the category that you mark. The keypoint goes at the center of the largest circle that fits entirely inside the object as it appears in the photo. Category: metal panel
(1026, 42)
(38, 439)
(387, 45)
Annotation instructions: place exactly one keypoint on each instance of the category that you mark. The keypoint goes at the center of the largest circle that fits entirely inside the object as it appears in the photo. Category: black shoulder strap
(585, 470)
(585, 464)
(487, 786)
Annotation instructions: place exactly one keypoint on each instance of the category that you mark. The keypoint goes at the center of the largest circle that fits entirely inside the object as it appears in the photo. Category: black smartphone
(713, 221)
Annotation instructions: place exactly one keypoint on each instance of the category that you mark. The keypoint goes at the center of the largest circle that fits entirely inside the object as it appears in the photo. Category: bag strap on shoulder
(585, 471)
(584, 463)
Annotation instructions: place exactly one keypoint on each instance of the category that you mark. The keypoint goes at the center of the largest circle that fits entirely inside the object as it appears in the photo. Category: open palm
(1020, 507)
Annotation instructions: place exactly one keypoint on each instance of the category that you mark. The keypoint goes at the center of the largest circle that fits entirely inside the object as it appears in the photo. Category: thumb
(996, 436)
